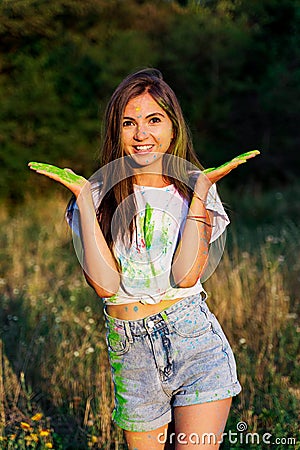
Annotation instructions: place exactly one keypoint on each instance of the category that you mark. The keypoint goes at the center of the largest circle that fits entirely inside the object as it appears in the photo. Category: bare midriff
(137, 310)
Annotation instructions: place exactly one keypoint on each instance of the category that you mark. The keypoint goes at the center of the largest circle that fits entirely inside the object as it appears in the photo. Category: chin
(143, 160)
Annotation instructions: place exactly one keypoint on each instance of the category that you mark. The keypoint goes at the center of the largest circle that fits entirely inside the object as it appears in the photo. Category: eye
(155, 120)
(127, 123)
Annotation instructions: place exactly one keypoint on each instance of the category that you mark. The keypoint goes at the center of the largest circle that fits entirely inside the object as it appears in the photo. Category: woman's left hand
(215, 174)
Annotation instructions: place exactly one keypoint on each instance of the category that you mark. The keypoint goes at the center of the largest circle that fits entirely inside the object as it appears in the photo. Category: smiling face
(147, 133)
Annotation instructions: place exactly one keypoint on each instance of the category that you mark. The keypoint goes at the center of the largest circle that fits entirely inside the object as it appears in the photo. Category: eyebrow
(147, 117)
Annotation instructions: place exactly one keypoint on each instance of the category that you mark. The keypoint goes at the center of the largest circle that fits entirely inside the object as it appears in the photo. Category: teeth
(143, 147)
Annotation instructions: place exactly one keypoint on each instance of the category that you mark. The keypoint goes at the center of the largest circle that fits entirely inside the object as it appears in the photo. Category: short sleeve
(72, 215)
(220, 218)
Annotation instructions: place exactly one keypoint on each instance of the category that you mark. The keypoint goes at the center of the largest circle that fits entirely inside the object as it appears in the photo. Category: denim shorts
(177, 357)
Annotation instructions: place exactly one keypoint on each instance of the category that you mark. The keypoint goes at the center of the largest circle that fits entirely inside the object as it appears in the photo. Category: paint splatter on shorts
(177, 357)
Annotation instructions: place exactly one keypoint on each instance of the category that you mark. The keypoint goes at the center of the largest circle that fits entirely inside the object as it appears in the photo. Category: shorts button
(151, 324)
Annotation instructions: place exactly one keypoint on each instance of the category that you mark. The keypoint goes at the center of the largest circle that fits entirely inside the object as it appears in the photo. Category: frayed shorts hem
(210, 396)
(150, 425)
(188, 400)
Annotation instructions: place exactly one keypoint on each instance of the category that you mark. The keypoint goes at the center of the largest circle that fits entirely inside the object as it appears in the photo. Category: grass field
(55, 387)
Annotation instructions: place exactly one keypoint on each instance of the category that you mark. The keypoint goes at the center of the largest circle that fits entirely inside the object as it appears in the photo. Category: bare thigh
(201, 426)
(147, 440)
(195, 426)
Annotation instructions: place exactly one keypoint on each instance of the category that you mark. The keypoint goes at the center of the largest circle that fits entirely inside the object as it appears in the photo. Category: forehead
(143, 103)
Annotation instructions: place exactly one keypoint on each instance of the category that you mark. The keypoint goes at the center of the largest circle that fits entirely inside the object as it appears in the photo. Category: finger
(247, 155)
(51, 175)
(220, 172)
(46, 169)
(56, 173)
(72, 177)
(44, 166)
(234, 164)
(240, 159)
(66, 178)
(231, 165)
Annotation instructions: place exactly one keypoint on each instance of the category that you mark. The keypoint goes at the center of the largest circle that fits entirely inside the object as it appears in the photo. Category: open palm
(66, 177)
(214, 174)
(76, 183)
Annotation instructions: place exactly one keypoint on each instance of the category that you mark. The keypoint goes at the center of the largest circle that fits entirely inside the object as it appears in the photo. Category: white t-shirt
(146, 264)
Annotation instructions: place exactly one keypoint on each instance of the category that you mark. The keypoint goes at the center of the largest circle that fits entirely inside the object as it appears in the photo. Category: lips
(143, 148)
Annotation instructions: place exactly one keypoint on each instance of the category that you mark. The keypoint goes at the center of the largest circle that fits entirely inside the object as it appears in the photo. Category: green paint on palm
(148, 226)
(243, 157)
(69, 177)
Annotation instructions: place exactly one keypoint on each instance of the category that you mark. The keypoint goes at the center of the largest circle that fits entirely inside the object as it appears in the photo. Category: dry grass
(54, 357)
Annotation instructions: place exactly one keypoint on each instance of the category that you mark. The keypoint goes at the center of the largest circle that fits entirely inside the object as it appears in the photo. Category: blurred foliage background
(234, 65)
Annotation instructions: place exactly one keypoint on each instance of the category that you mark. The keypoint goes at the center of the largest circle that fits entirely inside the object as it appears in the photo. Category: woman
(144, 225)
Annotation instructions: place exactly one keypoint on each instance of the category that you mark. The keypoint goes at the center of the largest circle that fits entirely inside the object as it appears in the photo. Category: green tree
(234, 64)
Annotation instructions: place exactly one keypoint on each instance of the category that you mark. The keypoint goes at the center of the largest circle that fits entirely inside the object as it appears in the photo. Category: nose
(141, 133)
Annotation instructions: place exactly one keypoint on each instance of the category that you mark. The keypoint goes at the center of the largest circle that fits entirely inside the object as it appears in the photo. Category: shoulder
(97, 192)
(72, 208)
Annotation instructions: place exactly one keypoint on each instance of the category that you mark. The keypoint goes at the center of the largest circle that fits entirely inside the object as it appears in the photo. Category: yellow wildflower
(94, 439)
(44, 433)
(49, 445)
(25, 426)
(34, 437)
(37, 417)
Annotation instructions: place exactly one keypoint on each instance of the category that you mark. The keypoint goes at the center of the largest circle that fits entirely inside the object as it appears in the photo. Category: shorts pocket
(117, 342)
(192, 324)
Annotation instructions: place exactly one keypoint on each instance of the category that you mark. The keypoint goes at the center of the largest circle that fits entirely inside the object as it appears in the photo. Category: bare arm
(192, 252)
(98, 263)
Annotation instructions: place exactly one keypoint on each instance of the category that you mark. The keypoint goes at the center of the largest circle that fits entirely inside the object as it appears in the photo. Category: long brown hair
(134, 85)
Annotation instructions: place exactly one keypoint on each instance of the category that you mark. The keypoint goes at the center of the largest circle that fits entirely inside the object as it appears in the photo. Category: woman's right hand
(66, 177)
(97, 261)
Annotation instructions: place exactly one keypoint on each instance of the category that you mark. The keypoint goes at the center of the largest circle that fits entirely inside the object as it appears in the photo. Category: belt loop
(164, 316)
(128, 332)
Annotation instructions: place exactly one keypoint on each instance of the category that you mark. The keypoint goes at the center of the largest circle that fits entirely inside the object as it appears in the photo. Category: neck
(150, 179)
